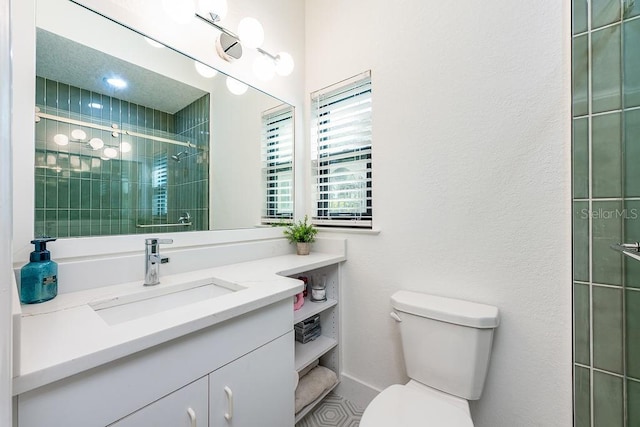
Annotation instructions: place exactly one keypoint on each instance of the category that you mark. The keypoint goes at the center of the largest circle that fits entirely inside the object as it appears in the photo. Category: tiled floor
(334, 411)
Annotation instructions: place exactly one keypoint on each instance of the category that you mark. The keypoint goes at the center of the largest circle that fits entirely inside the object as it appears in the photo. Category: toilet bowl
(411, 405)
(446, 345)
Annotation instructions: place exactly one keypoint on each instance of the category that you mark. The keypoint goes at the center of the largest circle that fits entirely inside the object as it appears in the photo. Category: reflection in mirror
(168, 148)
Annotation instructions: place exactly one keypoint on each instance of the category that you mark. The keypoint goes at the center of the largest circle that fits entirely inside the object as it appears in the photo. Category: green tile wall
(79, 194)
(606, 210)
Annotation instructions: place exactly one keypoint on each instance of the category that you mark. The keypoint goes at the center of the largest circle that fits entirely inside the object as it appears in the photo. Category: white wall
(471, 162)
(5, 217)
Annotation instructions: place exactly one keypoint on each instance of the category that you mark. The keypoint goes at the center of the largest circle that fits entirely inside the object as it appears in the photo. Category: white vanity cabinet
(251, 355)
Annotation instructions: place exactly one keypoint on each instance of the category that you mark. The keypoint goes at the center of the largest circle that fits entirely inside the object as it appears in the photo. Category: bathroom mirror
(167, 148)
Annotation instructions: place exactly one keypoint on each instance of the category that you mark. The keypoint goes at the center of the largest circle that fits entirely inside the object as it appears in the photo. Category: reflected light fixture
(95, 106)
(264, 68)
(125, 147)
(116, 82)
(236, 87)
(218, 7)
(78, 134)
(204, 70)
(96, 143)
(110, 152)
(61, 139)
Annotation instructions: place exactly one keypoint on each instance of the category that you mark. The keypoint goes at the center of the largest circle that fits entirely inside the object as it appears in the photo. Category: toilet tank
(446, 342)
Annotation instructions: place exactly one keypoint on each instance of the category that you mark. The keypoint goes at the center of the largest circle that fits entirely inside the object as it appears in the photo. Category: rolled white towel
(312, 385)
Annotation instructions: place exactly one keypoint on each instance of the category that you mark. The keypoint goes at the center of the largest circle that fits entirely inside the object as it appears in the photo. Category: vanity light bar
(115, 130)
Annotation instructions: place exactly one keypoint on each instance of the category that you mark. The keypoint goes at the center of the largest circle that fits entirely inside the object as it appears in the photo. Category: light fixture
(236, 87)
(116, 82)
(218, 7)
(61, 139)
(95, 106)
(78, 134)
(284, 64)
(204, 70)
(110, 152)
(250, 32)
(96, 143)
(181, 11)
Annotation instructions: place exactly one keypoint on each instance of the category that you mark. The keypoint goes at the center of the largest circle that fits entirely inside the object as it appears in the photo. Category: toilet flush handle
(395, 316)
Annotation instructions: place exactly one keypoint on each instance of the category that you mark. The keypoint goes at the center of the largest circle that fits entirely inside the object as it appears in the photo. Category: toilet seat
(405, 406)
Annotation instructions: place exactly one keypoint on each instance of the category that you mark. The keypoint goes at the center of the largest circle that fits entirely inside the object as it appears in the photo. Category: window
(277, 163)
(159, 185)
(341, 153)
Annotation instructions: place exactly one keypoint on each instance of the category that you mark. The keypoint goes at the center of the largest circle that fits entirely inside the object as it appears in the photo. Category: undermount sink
(152, 301)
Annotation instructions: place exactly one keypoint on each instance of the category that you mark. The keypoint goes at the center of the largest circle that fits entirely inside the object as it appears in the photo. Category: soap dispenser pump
(39, 278)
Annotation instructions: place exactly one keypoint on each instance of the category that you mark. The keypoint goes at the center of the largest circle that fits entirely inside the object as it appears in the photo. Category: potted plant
(302, 233)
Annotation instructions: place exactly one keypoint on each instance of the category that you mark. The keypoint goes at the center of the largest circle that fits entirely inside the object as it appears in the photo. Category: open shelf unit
(326, 346)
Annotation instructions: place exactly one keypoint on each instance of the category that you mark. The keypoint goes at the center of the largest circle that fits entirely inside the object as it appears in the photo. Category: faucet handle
(154, 241)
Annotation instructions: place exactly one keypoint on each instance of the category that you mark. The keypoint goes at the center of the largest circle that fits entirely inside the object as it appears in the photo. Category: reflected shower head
(178, 157)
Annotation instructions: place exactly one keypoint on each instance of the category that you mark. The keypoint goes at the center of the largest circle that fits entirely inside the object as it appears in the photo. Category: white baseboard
(355, 390)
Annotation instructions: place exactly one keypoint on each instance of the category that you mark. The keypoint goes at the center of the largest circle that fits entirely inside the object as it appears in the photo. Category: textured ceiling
(66, 61)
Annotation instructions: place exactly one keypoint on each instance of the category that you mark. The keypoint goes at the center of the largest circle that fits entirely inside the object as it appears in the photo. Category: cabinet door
(256, 389)
(186, 407)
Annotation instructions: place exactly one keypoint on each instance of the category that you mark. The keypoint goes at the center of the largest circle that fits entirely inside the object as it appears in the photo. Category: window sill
(348, 230)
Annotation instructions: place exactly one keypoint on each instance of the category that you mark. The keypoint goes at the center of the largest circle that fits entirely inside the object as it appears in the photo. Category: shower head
(178, 157)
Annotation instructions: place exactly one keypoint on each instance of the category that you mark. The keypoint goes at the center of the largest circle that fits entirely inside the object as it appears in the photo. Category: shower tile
(607, 156)
(631, 214)
(604, 12)
(582, 395)
(631, 8)
(581, 323)
(633, 403)
(632, 153)
(63, 193)
(51, 222)
(580, 75)
(74, 100)
(63, 223)
(608, 409)
(606, 69)
(51, 192)
(40, 90)
(39, 191)
(63, 97)
(607, 329)
(95, 194)
(631, 63)
(579, 24)
(607, 220)
(51, 94)
(85, 100)
(580, 158)
(632, 304)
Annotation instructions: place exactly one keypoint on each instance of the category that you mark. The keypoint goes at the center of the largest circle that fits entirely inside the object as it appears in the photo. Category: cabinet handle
(229, 394)
(192, 417)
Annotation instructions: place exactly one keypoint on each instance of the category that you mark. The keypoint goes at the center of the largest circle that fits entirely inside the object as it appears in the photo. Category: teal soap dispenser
(39, 278)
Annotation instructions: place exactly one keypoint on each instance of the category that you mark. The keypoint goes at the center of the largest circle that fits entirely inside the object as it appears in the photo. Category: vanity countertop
(65, 336)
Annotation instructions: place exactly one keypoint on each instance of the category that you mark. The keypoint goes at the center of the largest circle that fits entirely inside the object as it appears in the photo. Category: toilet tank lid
(448, 310)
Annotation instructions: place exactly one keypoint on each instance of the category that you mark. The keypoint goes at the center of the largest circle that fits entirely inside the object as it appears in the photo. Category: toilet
(447, 346)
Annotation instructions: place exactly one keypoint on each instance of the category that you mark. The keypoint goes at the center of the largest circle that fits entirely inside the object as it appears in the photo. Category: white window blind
(159, 185)
(341, 153)
(277, 163)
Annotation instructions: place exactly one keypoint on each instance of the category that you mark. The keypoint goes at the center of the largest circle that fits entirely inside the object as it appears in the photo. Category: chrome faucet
(152, 260)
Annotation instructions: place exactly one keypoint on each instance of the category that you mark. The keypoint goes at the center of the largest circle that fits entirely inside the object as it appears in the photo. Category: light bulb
(78, 134)
(61, 139)
(264, 68)
(251, 32)
(205, 70)
(96, 143)
(181, 11)
(125, 147)
(116, 82)
(110, 152)
(284, 64)
(218, 7)
(236, 87)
